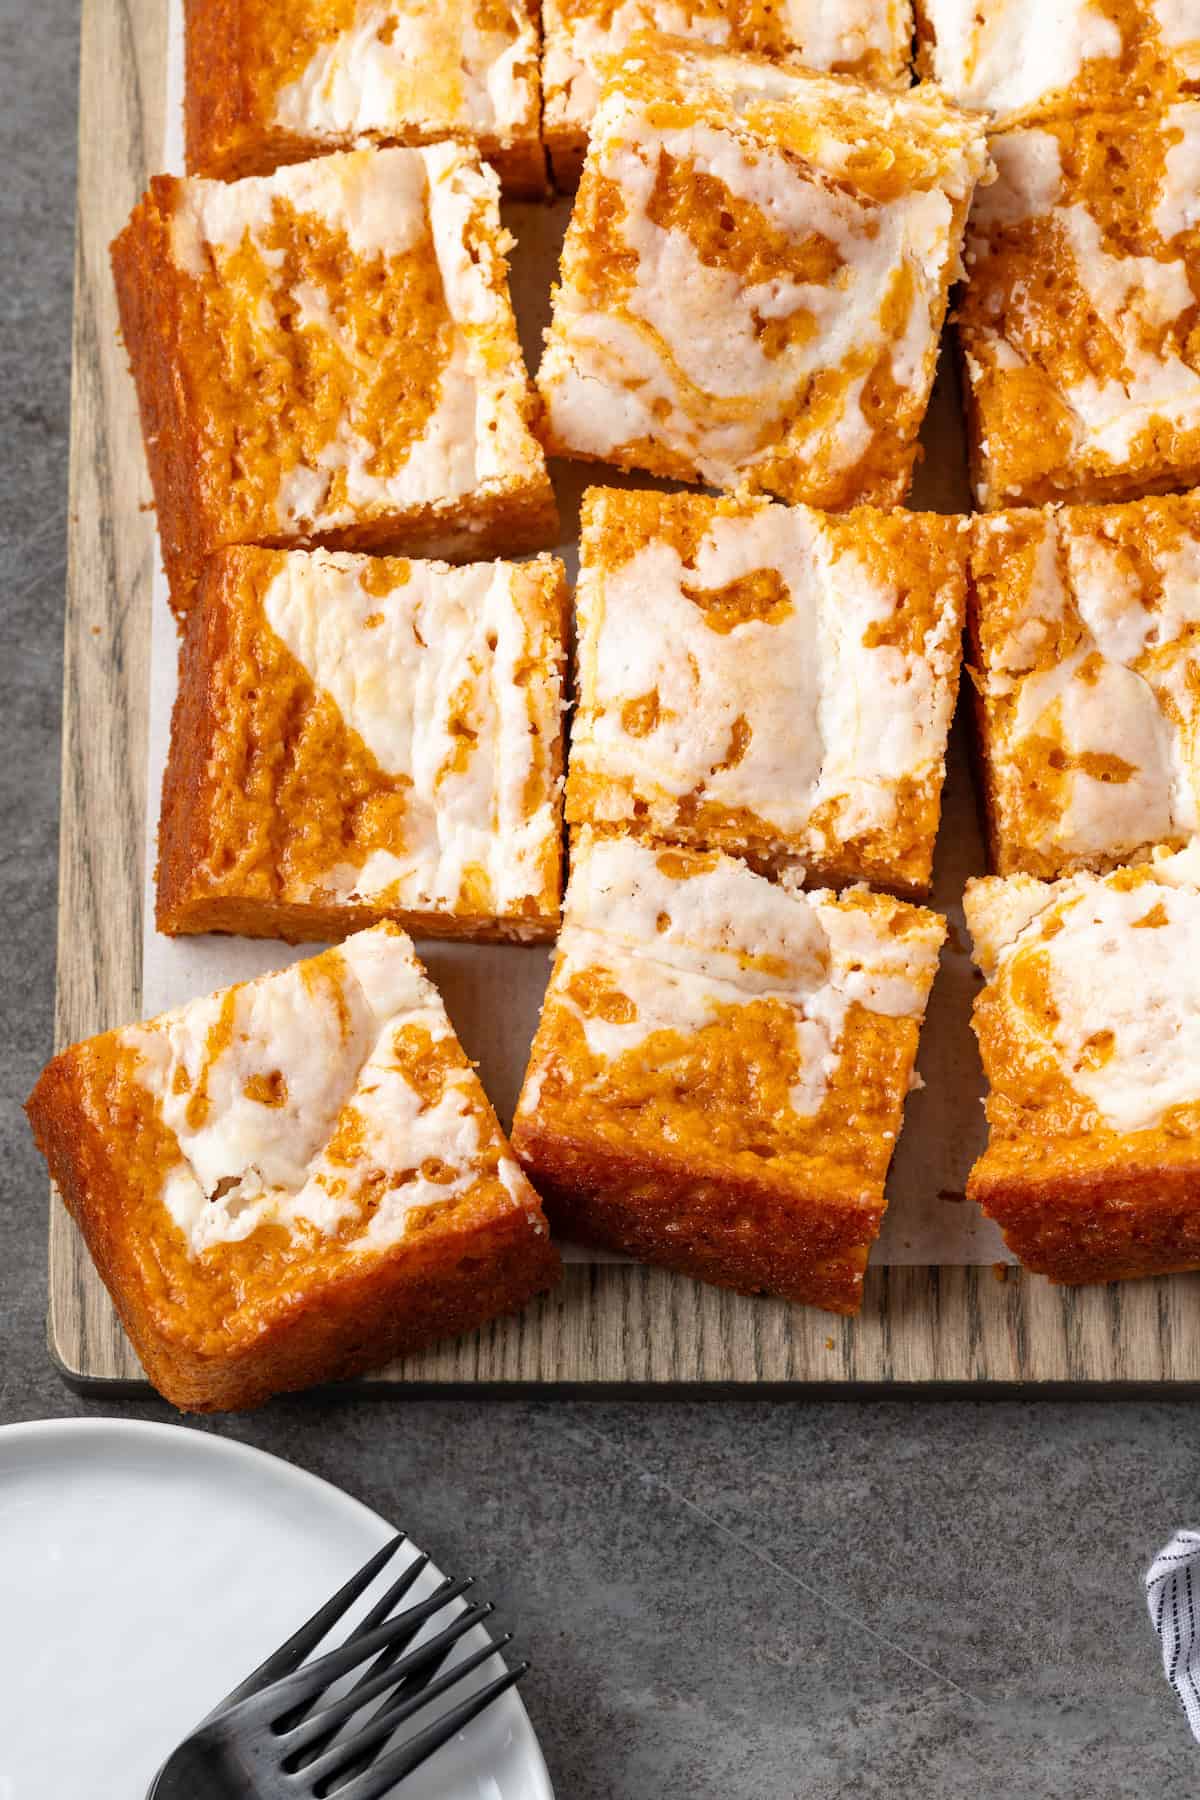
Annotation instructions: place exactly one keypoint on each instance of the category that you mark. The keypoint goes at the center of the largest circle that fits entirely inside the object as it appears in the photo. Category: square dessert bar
(869, 39)
(358, 738)
(1089, 1027)
(1019, 61)
(328, 355)
(767, 680)
(293, 1180)
(719, 1075)
(278, 81)
(1085, 627)
(1078, 319)
(755, 275)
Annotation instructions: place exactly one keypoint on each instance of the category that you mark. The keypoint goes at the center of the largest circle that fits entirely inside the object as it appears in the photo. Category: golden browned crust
(522, 168)
(1095, 1224)
(216, 99)
(227, 135)
(731, 1231)
(303, 924)
(441, 1284)
(1119, 485)
(148, 305)
(981, 759)
(924, 43)
(470, 529)
(188, 787)
(567, 151)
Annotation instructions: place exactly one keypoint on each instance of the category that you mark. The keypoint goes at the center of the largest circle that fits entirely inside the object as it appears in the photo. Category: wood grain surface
(606, 1324)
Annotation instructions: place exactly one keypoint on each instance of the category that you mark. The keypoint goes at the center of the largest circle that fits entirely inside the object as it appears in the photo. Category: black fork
(280, 1736)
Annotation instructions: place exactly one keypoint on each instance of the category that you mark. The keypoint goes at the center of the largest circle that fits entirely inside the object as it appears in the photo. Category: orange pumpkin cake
(1078, 318)
(1085, 625)
(1089, 1028)
(755, 275)
(328, 355)
(767, 680)
(1020, 60)
(278, 81)
(719, 1075)
(358, 738)
(869, 39)
(293, 1180)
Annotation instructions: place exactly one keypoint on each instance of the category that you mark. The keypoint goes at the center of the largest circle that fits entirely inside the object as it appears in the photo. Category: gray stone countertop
(742, 1599)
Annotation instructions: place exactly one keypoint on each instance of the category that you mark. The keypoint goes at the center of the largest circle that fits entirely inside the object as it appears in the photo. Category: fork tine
(303, 1742)
(281, 1662)
(378, 1613)
(273, 1703)
(397, 1591)
(377, 1781)
(339, 1759)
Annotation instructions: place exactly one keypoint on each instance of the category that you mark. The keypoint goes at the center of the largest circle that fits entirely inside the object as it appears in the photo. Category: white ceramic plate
(144, 1570)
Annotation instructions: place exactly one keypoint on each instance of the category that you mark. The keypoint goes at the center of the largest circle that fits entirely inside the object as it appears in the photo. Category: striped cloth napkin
(1173, 1596)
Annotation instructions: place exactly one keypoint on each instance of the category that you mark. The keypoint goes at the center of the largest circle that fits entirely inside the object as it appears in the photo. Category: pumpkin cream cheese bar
(358, 738)
(293, 1180)
(869, 39)
(755, 275)
(1019, 60)
(279, 81)
(1089, 1028)
(1085, 628)
(718, 1079)
(328, 355)
(1077, 321)
(767, 680)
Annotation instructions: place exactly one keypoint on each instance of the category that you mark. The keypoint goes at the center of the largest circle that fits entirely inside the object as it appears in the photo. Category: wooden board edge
(106, 640)
(607, 1325)
(610, 1326)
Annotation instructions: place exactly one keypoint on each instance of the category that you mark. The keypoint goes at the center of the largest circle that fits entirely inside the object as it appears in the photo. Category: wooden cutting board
(607, 1323)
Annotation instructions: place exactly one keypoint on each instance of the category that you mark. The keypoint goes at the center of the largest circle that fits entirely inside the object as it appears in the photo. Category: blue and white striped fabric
(1173, 1596)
